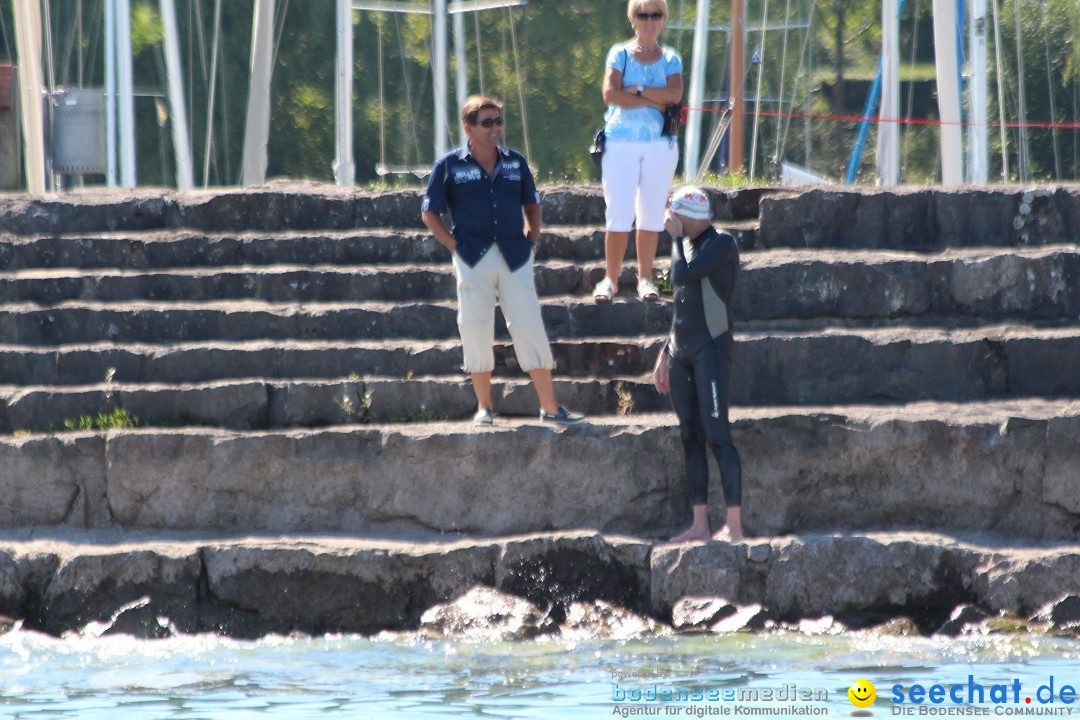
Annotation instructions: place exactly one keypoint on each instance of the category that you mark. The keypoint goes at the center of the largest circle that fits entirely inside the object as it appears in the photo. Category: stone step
(185, 363)
(80, 321)
(186, 248)
(292, 205)
(990, 285)
(247, 587)
(1006, 467)
(258, 404)
(919, 218)
(896, 364)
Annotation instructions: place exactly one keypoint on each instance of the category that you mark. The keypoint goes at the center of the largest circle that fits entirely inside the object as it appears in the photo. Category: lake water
(120, 678)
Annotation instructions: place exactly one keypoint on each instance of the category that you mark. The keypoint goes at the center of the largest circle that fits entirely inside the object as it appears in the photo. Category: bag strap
(625, 59)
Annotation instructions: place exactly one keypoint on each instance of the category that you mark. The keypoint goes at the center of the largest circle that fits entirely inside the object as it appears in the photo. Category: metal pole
(31, 92)
(888, 127)
(462, 85)
(181, 140)
(978, 148)
(692, 146)
(439, 63)
(257, 127)
(945, 51)
(110, 92)
(735, 139)
(126, 93)
(344, 165)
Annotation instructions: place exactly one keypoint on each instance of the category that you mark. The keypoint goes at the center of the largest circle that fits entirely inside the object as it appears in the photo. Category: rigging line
(195, 19)
(224, 156)
(999, 73)
(190, 77)
(79, 57)
(504, 75)
(49, 46)
(1076, 148)
(479, 54)
(212, 95)
(280, 29)
(783, 68)
(200, 34)
(410, 125)
(1025, 160)
(95, 31)
(382, 92)
(803, 55)
(757, 92)
(520, 82)
(196, 32)
(911, 89)
(1050, 90)
(69, 49)
(7, 40)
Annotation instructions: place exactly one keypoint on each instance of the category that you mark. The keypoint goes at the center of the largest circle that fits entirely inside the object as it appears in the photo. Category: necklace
(647, 50)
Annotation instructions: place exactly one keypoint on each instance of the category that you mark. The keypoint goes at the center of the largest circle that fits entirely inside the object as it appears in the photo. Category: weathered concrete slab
(913, 218)
(863, 579)
(81, 322)
(986, 286)
(317, 589)
(249, 586)
(92, 587)
(971, 467)
(53, 480)
(594, 376)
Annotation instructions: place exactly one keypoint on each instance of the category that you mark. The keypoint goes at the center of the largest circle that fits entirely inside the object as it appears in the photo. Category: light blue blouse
(642, 124)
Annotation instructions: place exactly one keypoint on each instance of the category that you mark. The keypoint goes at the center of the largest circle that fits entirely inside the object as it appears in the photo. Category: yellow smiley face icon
(862, 693)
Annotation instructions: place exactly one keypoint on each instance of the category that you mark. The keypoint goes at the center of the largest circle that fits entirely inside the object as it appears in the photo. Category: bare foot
(724, 534)
(691, 534)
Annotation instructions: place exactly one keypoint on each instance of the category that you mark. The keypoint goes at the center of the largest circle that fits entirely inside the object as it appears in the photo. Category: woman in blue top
(641, 78)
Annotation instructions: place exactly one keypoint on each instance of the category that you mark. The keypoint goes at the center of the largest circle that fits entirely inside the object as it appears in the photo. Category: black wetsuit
(703, 275)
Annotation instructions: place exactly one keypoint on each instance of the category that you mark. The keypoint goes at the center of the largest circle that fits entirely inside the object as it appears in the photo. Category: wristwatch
(640, 89)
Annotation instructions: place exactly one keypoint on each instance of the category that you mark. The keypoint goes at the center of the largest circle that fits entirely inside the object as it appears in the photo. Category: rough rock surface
(1006, 468)
(601, 620)
(485, 614)
(153, 584)
(699, 613)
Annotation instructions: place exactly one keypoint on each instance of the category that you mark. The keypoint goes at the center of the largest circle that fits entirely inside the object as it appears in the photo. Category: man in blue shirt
(486, 186)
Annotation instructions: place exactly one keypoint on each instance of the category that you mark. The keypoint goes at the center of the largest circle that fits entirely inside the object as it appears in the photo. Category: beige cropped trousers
(478, 289)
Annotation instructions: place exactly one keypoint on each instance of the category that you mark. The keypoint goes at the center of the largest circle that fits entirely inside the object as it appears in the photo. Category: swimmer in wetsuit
(695, 364)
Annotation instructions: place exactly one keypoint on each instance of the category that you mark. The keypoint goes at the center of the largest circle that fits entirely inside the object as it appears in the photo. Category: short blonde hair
(633, 5)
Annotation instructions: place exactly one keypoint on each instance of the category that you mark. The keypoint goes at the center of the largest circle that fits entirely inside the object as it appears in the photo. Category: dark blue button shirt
(485, 210)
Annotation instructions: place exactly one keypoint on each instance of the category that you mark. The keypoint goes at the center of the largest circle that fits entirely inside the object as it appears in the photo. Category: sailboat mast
(978, 171)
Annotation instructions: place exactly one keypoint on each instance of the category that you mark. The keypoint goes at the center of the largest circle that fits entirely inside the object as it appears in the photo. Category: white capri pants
(637, 179)
(478, 288)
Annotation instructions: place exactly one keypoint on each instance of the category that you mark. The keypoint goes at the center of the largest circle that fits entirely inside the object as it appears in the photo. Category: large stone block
(1061, 480)
(53, 480)
(272, 588)
(963, 474)
(557, 571)
(93, 211)
(92, 585)
(1024, 580)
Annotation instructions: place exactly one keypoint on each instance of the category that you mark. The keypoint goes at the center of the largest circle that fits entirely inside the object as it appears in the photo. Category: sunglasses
(488, 123)
(650, 16)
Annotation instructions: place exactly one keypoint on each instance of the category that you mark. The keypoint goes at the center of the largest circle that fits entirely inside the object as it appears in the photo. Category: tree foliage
(552, 82)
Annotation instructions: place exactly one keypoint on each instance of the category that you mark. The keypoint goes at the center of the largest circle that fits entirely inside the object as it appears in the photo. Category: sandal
(604, 291)
(647, 290)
